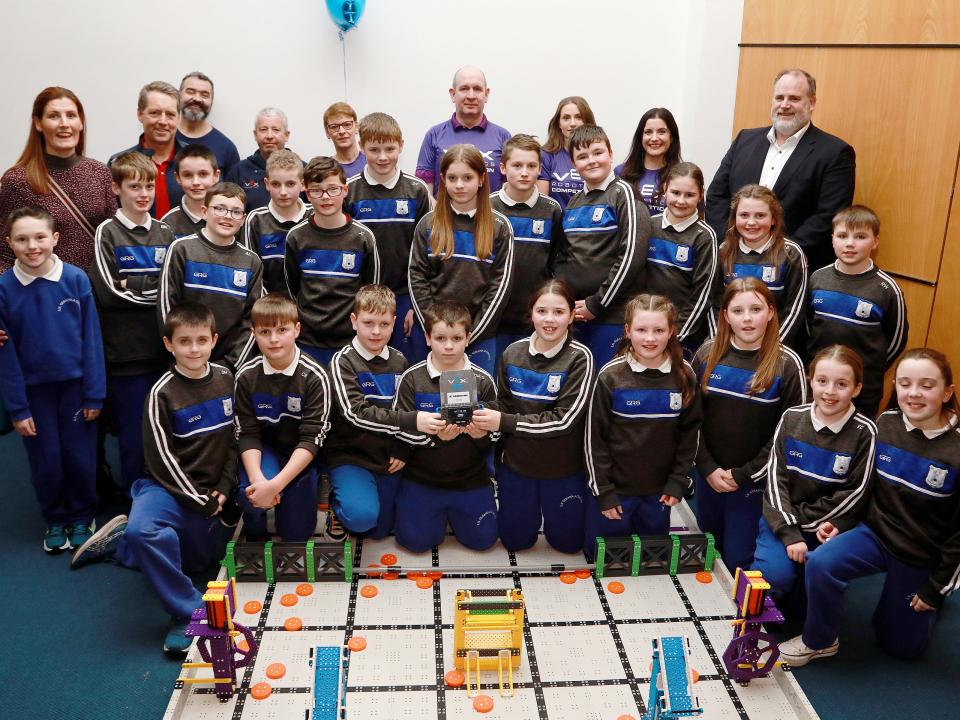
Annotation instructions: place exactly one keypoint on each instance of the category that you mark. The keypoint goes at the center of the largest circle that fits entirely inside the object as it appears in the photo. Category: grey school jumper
(866, 313)
(543, 401)
(458, 464)
(282, 411)
(815, 476)
(915, 508)
(602, 259)
(188, 437)
(366, 426)
(640, 438)
(324, 270)
(537, 233)
(132, 257)
(482, 285)
(225, 278)
(180, 221)
(392, 214)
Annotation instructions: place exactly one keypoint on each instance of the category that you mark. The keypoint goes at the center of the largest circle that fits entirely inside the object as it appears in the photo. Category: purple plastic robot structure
(217, 640)
(752, 653)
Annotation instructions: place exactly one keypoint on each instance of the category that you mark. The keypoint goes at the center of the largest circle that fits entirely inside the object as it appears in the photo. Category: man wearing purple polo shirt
(468, 124)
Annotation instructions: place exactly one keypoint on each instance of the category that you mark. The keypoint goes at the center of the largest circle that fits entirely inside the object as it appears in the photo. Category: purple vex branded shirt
(487, 137)
(646, 186)
(558, 168)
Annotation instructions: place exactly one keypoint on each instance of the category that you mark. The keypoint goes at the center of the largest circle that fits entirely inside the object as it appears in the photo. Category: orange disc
(582, 574)
(391, 576)
(388, 559)
(292, 624)
(243, 646)
(304, 589)
(289, 600)
(275, 671)
(435, 575)
(415, 575)
(369, 591)
(373, 575)
(252, 607)
(568, 577)
(616, 587)
(483, 703)
(424, 583)
(454, 678)
(695, 674)
(704, 577)
(626, 717)
(357, 643)
(261, 691)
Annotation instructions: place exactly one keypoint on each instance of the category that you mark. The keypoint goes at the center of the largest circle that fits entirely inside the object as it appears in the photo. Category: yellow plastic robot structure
(488, 635)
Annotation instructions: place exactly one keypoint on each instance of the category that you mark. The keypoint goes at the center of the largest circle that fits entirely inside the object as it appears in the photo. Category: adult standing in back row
(468, 124)
(53, 173)
(812, 172)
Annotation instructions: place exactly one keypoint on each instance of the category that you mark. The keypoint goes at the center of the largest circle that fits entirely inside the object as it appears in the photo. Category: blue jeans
(296, 515)
(364, 501)
(423, 513)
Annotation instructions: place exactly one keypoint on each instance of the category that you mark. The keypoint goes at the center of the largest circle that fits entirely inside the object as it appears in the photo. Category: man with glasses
(196, 102)
(340, 124)
(468, 124)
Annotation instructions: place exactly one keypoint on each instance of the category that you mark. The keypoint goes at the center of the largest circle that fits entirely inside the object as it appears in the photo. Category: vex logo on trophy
(458, 396)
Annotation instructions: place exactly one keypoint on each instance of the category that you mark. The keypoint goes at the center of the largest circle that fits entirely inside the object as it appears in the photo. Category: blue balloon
(345, 13)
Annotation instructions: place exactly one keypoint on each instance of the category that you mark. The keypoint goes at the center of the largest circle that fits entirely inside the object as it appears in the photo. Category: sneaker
(795, 652)
(334, 530)
(78, 534)
(176, 642)
(102, 544)
(55, 539)
(323, 492)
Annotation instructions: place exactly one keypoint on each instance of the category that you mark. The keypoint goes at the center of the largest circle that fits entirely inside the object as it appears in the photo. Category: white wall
(624, 56)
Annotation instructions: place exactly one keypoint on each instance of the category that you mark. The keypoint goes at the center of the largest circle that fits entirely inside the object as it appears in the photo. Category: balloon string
(343, 50)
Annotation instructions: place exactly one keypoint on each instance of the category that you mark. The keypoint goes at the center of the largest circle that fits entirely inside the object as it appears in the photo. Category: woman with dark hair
(53, 173)
(655, 148)
(558, 176)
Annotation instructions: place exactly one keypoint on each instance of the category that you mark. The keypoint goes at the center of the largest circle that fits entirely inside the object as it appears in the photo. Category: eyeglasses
(233, 213)
(335, 127)
(319, 192)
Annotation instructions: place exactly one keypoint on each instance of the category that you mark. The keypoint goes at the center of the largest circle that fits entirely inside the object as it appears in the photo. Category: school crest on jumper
(240, 278)
(683, 253)
(597, 214)
(293, 404)
(841, 463)
(538, 227)
(403, 207)
(936, 477)
(349, 261)
(227, 406)
(863, 309)
(768, 274)
(159, 253)
(676, 401)
(553, 383)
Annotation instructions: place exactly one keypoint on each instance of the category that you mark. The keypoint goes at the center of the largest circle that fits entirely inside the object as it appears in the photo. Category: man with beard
(812, 172)
(158, 110)
(196, 102)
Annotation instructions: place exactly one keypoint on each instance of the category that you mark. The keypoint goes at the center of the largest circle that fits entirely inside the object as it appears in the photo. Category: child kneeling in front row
(363, 452)
(52, 375)
(283, 411)
(643, 427)
(188, 442)
(446, 479)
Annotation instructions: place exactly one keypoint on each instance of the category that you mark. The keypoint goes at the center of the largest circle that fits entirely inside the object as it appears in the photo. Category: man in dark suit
(812, 172)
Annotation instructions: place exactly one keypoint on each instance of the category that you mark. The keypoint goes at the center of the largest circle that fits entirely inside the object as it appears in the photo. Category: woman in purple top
(654, 150)
(53, 173)
(558, 177)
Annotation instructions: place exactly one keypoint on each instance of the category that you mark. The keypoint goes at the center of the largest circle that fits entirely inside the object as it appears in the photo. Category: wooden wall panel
(897, 107)
(830, 22)
(919, 300)
(945, 322)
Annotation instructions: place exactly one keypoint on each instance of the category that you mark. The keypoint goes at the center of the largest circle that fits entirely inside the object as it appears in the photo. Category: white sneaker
(795, 652)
